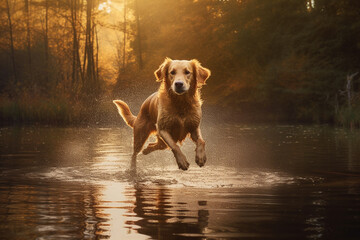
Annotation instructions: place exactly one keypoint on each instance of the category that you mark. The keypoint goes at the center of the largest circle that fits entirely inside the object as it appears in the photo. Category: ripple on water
(207, 177)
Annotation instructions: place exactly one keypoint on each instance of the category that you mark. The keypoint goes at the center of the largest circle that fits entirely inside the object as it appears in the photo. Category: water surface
(262, 182)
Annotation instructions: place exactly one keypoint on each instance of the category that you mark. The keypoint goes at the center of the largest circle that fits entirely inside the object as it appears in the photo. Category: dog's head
(182, 75)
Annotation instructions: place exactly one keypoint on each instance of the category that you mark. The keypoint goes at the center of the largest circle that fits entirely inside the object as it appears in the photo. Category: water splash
(207, 177)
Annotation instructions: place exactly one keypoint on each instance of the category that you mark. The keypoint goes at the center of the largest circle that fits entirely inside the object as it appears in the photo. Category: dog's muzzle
(179, 87)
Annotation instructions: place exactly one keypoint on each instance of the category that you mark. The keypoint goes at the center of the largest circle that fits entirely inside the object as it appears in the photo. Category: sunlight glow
(116, 206)
(310, 4)
(105, 6)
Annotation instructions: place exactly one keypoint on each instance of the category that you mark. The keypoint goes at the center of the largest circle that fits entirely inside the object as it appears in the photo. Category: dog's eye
(187, 72)
(172, 72)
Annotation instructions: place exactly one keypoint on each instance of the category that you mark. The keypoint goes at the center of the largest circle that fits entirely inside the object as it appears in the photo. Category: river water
(260, 182)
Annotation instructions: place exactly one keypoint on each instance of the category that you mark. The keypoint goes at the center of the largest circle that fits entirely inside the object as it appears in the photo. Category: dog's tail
(125, 112)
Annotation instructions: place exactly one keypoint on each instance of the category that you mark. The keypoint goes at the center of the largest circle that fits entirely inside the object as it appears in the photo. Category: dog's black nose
(179, 84)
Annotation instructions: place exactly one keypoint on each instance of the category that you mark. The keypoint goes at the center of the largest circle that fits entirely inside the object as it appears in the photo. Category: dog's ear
(202, 74)
(160, 73)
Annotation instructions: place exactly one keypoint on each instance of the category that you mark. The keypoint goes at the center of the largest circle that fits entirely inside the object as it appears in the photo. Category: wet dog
(173, 112)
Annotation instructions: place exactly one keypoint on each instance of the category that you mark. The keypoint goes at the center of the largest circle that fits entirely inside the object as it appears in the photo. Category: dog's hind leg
(141, 133)
(158, 145)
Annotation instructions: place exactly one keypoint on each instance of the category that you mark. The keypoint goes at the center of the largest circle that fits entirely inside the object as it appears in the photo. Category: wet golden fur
(172, 112)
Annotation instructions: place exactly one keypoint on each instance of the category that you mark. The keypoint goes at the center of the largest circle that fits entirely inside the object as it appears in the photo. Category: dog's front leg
(179, 156)
(200, 157)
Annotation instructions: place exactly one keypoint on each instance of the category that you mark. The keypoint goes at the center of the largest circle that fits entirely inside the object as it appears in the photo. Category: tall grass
(61, 110)
(349, 116)
(54, 111)
(36, 110)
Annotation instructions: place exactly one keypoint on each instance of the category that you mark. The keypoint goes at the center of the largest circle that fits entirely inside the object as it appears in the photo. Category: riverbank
(62, 111)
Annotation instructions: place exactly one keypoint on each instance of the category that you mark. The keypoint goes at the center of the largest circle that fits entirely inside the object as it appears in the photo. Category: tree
(76, 65)
(124, 41)
(91, 84)
(11, 42)
(28, 37)
(46, 40)
(138, 37)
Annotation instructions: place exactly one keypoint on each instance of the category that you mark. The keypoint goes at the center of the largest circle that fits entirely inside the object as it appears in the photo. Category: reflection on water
(291, 182)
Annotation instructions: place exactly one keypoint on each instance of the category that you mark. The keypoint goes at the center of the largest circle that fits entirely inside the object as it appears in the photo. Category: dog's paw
(184, 165)
(150, 148)
(146, 151)
(200, 159)
(181, 161)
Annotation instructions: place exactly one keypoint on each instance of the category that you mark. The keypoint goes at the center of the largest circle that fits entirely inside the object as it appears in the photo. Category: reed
(57, 111)
(36, 110)
(349, 117)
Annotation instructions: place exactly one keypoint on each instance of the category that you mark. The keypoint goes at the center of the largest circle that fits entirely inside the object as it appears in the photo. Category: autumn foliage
(279, 60)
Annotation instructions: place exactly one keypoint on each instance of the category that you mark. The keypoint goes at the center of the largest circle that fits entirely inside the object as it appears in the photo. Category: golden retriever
(173, 112)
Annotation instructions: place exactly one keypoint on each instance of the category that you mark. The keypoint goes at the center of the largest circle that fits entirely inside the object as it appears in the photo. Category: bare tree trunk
(97, 57)
(28, 37)
(349, 79)
(11, 42)
(73, 22)
(89, 49)
(336, 106)
(348, 90)
(87, 39)
(75, 50)
(124, 43)
(46, 40)
(138, 35)
(92, 51)
(82, 69)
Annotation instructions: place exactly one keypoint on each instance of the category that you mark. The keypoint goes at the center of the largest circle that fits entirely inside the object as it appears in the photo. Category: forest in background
(278, 60)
